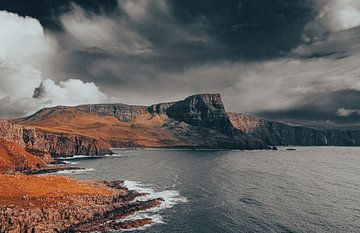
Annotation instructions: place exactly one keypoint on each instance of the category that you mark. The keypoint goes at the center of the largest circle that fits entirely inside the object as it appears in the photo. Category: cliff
(199, 121)
(44, 143)
(276, 133)
(122, 112)
(205, 111)
(59, 204)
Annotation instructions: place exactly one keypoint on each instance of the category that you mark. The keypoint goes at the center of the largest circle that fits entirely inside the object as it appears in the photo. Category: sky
(294, 60)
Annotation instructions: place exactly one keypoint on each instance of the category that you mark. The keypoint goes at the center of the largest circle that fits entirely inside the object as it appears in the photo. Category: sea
(310, 189)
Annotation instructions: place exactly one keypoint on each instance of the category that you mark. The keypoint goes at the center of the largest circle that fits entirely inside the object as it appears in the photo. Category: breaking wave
(171, 198)
(75, 171)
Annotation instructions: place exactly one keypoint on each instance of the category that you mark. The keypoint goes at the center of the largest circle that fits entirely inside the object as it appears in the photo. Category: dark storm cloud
(48, 11)
(270, 58)
(249, 29)
(173, 36)
(178, 34)
(338, 107)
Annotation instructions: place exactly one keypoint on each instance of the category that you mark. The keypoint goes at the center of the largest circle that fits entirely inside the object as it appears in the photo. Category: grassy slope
(13, 156)
(41, 190)
(145, 130)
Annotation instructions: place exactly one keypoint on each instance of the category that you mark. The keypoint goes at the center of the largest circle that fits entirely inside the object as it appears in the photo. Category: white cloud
(344, 112)
(338, 15)
(22, 39)
(25, 51)
(70, 92)
(23, 47)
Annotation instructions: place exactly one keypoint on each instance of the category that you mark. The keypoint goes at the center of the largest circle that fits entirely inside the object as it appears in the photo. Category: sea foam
(171, 198)
(77, 171)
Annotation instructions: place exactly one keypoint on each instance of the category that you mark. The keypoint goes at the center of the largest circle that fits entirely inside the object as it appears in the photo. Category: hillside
(13, 158)
(199, 121)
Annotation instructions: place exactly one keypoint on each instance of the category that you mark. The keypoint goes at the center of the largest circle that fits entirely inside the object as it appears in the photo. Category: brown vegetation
(145, 130)
(19, 189)
(13, 158)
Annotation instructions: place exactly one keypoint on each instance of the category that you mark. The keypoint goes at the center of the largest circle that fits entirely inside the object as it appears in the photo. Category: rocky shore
(58, 204)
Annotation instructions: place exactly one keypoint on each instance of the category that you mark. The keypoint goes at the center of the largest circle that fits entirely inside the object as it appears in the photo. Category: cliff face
(199, 121)
(63, 144)
(42, 143)
(122, 112)
(276, 133)
(205, 111)
(11, 132)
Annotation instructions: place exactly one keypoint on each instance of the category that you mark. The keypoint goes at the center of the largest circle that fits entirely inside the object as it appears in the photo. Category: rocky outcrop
(11, 132)
(64, 144)
(122, 112)
(56, 144)
(203, 111)
(56, 204)
(199, 121)
(276, 133)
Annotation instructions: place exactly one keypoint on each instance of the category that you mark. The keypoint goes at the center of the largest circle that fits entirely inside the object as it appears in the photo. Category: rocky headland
(199, 121)
(30, 203)
(284, 134)
(47, 144)
(29, 145)
(57, 204)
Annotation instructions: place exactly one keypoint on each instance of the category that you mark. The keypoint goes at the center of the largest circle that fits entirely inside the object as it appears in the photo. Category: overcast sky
(279, 59)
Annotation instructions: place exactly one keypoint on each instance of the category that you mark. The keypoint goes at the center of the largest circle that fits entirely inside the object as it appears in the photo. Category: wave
(77, 171)
(118, 155)
(155, 218)
(171, 149)
(70, 163)
(78, 157)
(171, 198)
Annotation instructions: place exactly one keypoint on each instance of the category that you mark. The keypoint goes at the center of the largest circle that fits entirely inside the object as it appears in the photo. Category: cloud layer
(24, 52)
(283, 59)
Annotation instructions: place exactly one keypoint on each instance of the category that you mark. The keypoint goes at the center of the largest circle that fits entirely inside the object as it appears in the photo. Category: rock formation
(43, 143)
(276, 133)
(58, 204)
(199, 121)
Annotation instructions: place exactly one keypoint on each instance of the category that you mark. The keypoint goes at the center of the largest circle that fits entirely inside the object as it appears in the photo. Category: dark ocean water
(312, 189)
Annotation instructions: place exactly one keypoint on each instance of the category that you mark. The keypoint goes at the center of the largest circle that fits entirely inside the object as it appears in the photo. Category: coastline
(59, 204)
